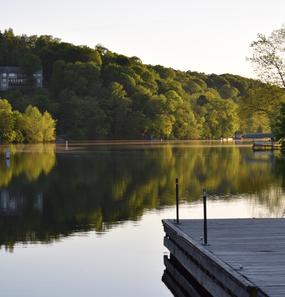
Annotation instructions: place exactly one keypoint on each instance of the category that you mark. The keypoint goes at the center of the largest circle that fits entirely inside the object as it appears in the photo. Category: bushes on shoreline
(31, 126)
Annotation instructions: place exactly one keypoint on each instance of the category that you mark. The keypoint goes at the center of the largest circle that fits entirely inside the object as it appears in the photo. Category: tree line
(31, 126)
(99, 94)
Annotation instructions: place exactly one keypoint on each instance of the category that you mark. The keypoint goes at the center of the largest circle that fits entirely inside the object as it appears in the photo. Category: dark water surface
(87, 221)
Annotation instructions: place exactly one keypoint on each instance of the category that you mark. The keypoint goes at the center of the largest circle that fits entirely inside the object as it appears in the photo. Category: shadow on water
(47, 193)
(179, 281)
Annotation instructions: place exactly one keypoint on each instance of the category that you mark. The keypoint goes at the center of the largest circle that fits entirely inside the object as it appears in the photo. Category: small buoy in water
(201, 238)
(240, 267)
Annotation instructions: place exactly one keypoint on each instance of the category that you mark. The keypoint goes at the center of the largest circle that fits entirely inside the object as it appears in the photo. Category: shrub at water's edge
(31, 126)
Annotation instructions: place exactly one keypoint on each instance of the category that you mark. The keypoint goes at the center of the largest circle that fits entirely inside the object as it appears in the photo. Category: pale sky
(210, 36)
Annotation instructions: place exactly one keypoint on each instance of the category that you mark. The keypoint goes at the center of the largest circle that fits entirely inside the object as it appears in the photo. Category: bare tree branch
(268, 57)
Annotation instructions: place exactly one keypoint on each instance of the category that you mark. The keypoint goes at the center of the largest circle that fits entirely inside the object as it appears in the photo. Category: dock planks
(245, 257)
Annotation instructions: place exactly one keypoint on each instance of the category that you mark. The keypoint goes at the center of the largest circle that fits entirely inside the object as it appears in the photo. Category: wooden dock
(243, 258)
(266, 145)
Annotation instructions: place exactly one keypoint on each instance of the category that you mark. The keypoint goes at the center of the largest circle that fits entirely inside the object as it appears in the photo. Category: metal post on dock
(205, 217)
(177, 201)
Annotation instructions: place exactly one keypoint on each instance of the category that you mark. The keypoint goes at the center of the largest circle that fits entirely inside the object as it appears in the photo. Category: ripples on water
(86, 220)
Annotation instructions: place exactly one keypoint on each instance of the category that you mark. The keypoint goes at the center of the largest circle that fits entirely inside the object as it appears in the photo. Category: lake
(86, 220)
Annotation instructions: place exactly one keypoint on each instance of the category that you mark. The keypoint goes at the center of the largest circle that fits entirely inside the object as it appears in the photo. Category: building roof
(9, 69)
(258, 135)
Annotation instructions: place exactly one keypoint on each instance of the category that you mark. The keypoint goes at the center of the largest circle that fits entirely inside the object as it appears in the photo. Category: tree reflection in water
(44, 195)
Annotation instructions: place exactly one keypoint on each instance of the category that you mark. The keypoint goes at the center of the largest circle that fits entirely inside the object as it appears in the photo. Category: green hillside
(99, 94)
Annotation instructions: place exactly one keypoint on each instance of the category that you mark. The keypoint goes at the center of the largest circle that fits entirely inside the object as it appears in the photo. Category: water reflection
(44, 195)
(29, 160)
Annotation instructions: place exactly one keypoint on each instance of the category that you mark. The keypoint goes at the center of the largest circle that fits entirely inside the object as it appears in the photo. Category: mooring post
(177, 201)
(205, 217)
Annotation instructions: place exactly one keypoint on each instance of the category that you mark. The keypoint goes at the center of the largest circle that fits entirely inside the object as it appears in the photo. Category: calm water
(87, 221)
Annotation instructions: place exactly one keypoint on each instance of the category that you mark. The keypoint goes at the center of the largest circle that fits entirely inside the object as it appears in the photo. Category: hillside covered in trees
(98, 94)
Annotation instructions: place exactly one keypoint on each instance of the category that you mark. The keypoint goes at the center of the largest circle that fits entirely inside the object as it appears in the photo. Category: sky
(210, 36)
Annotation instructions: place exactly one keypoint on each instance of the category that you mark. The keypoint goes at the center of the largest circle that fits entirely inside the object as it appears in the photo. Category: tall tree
(48, 126)
(7, 133)
(268, 56)
(38, 127)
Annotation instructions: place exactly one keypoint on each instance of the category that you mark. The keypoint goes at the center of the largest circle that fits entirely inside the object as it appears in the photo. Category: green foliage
(192, 87)
(6, 126)
(226, 91)
(221, 118)
(31, 126)
(18, 127)
(279, 128)
(259, 109)
(96, 93)
(30, 63)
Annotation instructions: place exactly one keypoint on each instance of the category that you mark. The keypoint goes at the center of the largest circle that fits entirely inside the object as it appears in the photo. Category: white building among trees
(13, 77)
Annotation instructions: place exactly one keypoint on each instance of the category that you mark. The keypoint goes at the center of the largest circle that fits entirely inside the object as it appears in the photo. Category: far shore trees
(31, 126)
(95, 93)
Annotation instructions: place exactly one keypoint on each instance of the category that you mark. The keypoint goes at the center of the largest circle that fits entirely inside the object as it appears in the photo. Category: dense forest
(99, 94)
